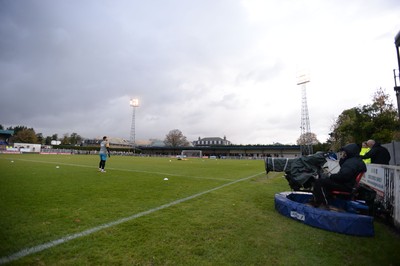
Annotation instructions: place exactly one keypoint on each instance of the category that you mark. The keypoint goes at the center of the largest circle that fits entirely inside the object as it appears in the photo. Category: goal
(192, 154)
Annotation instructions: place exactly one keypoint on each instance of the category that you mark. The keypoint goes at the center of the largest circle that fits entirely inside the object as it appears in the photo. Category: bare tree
(175, 138)
(307, 138)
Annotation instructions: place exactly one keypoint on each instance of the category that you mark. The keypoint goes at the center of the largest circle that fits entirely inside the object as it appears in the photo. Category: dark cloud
(209, 68)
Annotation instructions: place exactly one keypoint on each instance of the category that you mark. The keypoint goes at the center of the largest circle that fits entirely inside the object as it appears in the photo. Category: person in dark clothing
(351, 165)
(377, 153)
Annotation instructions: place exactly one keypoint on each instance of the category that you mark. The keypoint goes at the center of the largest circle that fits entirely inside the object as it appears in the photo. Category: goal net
(191, 154)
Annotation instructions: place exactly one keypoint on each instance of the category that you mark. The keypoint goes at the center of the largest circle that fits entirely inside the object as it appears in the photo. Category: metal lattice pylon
(133, 133)
(306, 141)
(134, 103)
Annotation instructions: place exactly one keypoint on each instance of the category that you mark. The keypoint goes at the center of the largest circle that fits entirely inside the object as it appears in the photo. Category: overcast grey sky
(210, 68)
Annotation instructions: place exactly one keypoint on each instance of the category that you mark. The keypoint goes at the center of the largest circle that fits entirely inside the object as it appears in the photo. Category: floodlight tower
(306, 141)
(133, 103)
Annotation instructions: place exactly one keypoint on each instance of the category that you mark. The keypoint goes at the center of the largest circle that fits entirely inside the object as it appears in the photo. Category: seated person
(351, 165)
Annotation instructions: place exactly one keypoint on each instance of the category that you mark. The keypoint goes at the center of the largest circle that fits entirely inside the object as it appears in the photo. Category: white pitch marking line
(28, 251)
(127, 170)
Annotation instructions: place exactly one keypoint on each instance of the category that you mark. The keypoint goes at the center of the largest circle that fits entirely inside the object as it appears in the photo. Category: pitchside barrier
(385, 180)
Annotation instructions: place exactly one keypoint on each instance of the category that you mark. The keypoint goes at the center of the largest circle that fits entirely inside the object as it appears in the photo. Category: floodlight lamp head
(134, 102)
(303, 77)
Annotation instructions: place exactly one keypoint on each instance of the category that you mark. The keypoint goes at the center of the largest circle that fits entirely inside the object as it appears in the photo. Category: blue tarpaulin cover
(292, 204)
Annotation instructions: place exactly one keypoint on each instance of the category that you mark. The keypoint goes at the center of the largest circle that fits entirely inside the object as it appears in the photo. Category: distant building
(27, 147)
(213, 141)
(114, 142)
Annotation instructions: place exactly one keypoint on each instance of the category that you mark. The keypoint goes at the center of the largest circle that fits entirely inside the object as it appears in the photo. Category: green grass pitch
(60, 210)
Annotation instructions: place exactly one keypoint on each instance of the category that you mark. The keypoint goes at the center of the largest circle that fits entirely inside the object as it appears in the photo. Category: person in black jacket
(377, 153)
(351, 165)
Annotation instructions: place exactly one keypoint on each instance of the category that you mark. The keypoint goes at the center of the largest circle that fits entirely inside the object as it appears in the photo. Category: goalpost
(192, 154)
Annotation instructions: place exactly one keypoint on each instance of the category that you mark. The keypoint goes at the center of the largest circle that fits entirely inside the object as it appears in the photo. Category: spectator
(377, 154)
(344, 180)
(364, 150)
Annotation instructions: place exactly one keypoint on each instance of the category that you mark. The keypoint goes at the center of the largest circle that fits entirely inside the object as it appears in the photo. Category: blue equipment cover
(292, 204)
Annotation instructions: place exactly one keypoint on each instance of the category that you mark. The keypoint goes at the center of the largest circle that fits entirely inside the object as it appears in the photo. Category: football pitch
(60, 210)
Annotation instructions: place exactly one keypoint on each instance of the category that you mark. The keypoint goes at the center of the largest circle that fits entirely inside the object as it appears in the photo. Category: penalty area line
(29, 251)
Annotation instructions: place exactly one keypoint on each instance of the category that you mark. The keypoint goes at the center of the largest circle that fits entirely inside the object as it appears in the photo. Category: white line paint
(28, 251)
(120, 169)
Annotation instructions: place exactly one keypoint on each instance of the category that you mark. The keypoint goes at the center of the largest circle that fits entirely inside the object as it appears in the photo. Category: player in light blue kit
(104, 151)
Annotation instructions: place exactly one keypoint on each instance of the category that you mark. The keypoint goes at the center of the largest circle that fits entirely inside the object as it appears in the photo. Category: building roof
(212, 138)
(7, 132)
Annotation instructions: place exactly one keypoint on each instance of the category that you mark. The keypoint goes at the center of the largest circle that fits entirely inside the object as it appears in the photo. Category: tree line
(23, 134)
(377, 120)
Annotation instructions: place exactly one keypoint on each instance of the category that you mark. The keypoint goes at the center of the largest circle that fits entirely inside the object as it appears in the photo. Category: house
(213, 141)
